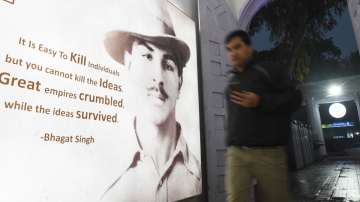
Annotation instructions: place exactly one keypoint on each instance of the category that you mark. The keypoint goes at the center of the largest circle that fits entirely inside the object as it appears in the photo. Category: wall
(216, 20)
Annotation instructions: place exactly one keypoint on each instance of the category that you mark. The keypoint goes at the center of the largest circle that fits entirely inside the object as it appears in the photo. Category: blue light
(338, 125)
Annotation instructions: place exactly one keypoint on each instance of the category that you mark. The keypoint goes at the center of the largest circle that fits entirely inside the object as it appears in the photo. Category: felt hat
(152, 24)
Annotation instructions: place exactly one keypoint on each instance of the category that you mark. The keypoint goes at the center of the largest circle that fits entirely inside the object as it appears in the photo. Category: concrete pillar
(216, 20)
(314, 118)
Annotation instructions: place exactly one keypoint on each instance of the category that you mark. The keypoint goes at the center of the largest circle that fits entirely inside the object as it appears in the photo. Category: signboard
(338, 125)
(99, 102)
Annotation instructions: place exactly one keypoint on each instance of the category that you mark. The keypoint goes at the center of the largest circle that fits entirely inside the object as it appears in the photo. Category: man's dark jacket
(269, 123)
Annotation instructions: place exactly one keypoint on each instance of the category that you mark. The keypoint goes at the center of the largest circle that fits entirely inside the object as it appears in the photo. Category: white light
(337, 110)
(335, 90)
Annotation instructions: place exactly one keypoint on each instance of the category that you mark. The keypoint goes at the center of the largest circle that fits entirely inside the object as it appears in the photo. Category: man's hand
(245, 99)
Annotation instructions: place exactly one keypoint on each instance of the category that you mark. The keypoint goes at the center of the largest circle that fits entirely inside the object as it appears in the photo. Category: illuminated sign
(95, 101)
(337, 110)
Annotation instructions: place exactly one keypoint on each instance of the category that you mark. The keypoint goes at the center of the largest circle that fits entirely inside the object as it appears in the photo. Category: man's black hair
(244, 36)
(179, 65)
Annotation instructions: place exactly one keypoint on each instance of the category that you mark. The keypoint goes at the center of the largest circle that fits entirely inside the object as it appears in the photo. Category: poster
(99, 102)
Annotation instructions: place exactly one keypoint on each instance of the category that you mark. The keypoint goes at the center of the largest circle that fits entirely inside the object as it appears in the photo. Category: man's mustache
(160, 89)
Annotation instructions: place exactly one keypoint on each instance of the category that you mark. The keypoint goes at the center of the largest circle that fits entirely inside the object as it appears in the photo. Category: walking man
(260, 102)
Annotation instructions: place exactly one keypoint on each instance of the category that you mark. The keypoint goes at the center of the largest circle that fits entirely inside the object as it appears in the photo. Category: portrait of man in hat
(162, 168)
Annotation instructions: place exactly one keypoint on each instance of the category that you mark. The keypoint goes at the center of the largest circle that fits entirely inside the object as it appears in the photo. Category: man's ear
(127, 59)
(180, 82)
(180, 85)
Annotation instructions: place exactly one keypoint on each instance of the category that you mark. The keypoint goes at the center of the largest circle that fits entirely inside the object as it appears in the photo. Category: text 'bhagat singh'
(49, 137)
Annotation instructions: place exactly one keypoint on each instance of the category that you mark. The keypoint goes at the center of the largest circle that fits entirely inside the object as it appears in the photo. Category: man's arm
(285, 102)
(284, 97)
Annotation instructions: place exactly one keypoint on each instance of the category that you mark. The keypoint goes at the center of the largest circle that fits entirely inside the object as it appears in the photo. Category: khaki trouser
(267, 165)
